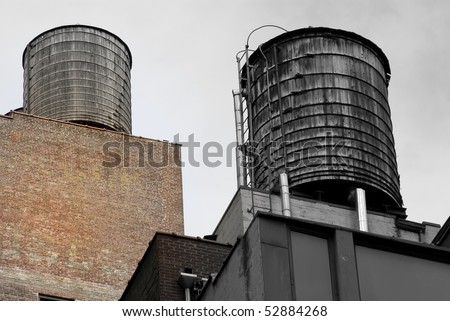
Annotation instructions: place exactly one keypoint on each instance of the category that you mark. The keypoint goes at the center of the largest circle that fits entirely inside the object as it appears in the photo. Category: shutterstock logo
(312, 153)
(136, 153)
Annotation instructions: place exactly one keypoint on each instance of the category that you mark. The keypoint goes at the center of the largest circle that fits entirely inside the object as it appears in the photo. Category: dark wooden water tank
(80, 74)
(323, 92)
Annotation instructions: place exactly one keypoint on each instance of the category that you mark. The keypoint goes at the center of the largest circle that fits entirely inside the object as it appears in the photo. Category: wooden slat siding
(330, 84)
(80, 74)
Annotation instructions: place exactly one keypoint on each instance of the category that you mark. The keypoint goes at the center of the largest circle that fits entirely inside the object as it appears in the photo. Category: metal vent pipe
(285, 198)
(362, 209)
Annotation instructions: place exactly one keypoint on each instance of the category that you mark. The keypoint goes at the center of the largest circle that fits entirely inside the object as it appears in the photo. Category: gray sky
(184, 70)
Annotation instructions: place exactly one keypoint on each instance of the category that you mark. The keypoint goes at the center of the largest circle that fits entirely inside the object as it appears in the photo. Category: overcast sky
(184, 70)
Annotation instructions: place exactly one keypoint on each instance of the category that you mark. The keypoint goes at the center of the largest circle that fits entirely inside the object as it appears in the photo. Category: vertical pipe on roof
(362, 210)
(187, 293)
(285, 198)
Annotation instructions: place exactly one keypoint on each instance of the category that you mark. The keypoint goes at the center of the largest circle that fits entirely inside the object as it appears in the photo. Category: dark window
(44, 297)
(311, 264)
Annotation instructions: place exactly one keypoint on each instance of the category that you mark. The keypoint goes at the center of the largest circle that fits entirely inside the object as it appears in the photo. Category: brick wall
(173, 254)
(71, 223)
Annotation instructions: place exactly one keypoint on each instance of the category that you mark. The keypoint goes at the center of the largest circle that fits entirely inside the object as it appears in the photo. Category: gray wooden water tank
(79, 74)
(324, 93)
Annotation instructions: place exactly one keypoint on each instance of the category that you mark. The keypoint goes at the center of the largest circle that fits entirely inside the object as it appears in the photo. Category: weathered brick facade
(168, 255)
(72, 223)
